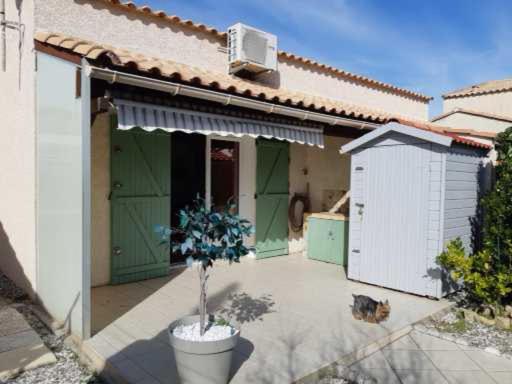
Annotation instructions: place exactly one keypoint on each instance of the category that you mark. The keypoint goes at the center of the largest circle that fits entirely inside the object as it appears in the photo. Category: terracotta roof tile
(222, 36)
(492, 86)
(197, 76)
(446, 131)
(223, 82)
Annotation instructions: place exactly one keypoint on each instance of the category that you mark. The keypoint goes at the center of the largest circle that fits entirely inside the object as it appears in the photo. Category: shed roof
(132, 7)
(442, 138)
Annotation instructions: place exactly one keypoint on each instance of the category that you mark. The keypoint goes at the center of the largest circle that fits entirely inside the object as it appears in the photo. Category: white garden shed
(412, 190)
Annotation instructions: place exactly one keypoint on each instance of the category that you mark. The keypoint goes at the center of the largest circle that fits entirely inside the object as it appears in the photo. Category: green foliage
(221, 321)
(487, 275)
(497, 205)
(485, 280)
(205, 235)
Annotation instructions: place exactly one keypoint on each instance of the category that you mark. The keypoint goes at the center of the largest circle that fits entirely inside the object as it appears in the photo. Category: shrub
(497, 205)
(487, 275)
(484, 280)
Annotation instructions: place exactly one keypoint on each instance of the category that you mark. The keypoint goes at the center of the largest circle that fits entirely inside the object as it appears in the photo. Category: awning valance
(150, 117)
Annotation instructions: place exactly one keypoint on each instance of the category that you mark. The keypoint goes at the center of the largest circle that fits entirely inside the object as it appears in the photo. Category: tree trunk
(203, 277)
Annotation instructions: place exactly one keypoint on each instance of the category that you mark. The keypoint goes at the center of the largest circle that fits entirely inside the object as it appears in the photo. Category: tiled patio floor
(422, 359)
(294, 314)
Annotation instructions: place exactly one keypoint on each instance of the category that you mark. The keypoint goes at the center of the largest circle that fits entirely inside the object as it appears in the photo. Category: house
(115, 116)
(480, 110)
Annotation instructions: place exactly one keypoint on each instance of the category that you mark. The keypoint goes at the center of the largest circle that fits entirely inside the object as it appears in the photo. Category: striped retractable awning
(151, 117)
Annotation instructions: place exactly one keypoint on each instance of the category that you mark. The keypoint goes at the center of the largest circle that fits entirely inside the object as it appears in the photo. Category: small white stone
(192, 332)
(449, 338)
(492, 350)
(433, 332)
(462, 342)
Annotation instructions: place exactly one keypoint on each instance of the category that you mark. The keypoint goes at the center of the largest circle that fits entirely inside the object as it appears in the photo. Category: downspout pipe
(205, 94)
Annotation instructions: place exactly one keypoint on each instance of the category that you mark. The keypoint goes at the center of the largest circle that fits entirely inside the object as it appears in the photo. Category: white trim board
(399, 128)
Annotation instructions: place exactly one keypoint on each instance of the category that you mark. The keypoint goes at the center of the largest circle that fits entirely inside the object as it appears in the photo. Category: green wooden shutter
(140, 199)
(272, 198)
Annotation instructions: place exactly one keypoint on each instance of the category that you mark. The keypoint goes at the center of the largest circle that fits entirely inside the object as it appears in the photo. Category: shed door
(140, 177)
(392, 210)
(271, 198)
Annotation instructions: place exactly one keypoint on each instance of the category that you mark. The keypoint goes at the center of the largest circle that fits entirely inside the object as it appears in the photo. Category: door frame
(208, 173)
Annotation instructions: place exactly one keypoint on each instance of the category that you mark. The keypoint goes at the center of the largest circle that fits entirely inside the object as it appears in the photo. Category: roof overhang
(421, 134)
(175, 89)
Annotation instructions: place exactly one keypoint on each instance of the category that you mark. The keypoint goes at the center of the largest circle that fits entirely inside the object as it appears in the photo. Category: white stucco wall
(147, 35)
(497, 103)
(323, 169)
(17, 152)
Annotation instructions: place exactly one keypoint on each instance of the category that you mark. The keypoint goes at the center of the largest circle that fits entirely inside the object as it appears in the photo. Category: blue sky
(427, 46)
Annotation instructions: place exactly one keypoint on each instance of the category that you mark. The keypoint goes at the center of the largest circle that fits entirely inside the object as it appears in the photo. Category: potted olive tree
(203, 344)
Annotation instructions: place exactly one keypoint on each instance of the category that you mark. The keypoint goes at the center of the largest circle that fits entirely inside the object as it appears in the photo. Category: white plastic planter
(202, 362)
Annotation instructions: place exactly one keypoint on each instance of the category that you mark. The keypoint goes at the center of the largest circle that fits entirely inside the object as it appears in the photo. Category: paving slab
(18, 340)
(294, 312)
(408, 360)
(452, 361)
(405, 343)
(11, 322)
(502, 377)
(415, 360)
(431, 343)
(21, 348)
(467, 377)
(25, 358)
(490, 362)
(420, 377)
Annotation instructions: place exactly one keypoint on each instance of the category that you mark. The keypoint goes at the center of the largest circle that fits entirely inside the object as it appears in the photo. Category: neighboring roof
(454, 133)
(130, 6)
(440, 138)
(474, 113)
(203, 78)
(492, 86)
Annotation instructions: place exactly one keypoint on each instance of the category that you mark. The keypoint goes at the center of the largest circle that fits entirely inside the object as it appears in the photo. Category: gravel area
(346, 375)
(192, 332)
(472, 333)
(67, 370)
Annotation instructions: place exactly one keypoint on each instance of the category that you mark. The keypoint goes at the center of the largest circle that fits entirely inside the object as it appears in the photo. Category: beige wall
(497, 103)
(323, 169)
(100, 204)
(478, 123)
(17, 152)
(156, 38)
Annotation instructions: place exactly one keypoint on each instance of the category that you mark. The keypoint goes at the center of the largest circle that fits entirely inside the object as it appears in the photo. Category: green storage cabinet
(327, 238)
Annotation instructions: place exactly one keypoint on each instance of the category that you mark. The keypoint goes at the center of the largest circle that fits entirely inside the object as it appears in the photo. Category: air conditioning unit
(251, 49)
